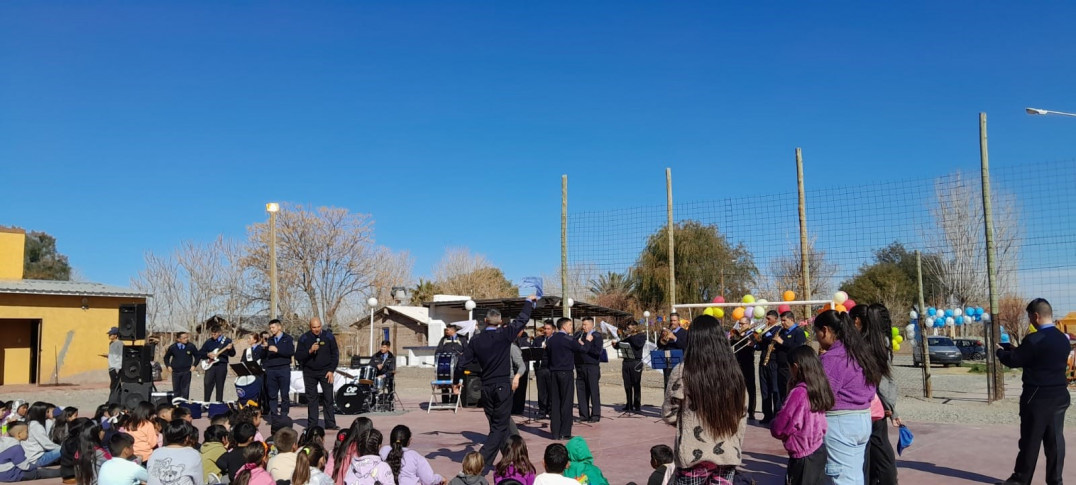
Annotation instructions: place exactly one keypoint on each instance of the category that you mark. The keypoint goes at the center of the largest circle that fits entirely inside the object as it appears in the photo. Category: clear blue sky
(128, 127)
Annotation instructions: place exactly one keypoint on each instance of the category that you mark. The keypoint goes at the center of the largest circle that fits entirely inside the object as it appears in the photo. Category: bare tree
(580, 277)
(787, 273)
(160, 278)
(461, 273)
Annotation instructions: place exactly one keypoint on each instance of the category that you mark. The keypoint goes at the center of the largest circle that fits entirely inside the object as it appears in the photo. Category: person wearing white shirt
(120, 470)
(555, 461)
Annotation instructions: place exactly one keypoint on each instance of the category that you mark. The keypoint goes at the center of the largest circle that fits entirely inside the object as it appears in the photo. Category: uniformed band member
(385, 364)
(179, 357)
(745, 356)
(541, 371)
(767, 370)
(216, 350)
(115, 363)
(319, 356)
(1043, 355)
(280, 347)
(673, 338)
(631, 369)
(491, 350)
(452, 343)
(256, 351)
(588, 373)
(790, 336)
(560, 350)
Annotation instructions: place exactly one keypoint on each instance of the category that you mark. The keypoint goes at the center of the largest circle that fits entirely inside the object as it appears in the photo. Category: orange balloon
(789, 295)
(737, 313)
(841, 308)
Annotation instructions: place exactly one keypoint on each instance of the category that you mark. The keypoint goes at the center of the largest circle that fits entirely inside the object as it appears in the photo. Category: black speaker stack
(136, 371)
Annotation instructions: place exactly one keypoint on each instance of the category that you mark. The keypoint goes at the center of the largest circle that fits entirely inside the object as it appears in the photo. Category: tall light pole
(272, 208)
(470, 309)
(1039, 111)
(646, 316)
(372, 303)
(571, 303)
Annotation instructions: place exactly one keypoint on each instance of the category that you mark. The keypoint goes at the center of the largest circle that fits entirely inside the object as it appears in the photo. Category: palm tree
(423, 292)
(614, 290)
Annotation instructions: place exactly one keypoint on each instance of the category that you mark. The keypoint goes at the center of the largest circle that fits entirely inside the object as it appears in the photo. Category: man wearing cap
(115, 363)
(180, 359)
(453, 344)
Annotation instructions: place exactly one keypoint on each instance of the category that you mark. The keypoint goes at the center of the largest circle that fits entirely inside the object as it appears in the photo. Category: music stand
(626, 352)
(665, 359)
(247, 369)
(531, 354)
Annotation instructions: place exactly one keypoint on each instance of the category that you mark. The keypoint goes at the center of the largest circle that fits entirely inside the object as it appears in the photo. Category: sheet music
(611, 329)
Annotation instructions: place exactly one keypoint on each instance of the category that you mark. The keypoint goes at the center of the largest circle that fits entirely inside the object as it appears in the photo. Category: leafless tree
(461, 273)
(160, 278)
(786, 273)
(580, 278)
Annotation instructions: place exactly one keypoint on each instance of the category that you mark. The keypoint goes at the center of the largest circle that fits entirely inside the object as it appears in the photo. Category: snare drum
(366, 376)
(379, 383)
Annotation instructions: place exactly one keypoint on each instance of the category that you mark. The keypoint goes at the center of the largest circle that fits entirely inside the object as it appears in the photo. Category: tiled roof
(70, 288)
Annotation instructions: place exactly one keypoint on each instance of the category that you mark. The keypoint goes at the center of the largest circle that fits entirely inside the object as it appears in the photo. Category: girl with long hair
(310, 466)
(253, 470)
(313, 435)
(801, 422)
(91, 454)
(408, 466)
(346, 449)
(881, 468)
(38, 447)
(69, 449)
(140, 425)
(706, 401)
(368, 468)
(515, 463)
(853, 375)
(59, 426)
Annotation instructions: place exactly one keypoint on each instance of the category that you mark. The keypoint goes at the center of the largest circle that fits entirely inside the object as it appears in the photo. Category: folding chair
(446, 380)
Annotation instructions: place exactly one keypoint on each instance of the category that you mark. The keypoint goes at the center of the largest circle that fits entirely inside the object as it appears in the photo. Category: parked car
(971, 348)
(942, 351)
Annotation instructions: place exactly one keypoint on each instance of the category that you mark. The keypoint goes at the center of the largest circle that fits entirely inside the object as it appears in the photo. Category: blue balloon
(958, 321)
(978, 317)
(949, 313)
(969, 311)
(978, 310)
(931, 311)
(939, 323)
(1004, 338)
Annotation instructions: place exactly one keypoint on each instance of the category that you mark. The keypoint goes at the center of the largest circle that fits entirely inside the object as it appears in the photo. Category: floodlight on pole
(1040, 111)
(470, 305)
(646, 316)
(372, 303)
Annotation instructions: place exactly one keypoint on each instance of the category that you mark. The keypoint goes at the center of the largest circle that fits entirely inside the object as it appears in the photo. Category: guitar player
(215, 353)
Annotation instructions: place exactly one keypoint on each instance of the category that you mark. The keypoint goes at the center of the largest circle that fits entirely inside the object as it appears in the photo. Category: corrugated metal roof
(420, 315)
(69, 288)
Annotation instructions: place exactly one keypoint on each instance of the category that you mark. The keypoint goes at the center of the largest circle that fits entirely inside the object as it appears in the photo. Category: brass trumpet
(746, 339)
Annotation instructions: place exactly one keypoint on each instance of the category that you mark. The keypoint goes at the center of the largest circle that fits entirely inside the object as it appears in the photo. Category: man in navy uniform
(180, 358)
(319, 356)
(452, 343)
(790, 336)
(492, 349)
(560, 350)
(588, 372)
(280, 348)
(216, 350)
(1044, 357)
(673, 338)
(541, 371)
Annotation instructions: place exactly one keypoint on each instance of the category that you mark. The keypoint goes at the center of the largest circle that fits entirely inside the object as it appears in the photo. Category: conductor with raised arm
(491, 349)
(319, 356)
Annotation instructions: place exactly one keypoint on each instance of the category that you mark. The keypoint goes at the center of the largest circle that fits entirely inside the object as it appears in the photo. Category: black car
(942, 351)
(972, 348)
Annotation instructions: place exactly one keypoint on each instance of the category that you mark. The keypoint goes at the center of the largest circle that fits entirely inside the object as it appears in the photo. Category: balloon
(896, 347)
(737, 313)
(839, 297)
(719, 299)
(986, 317)
(910, 329)
(894, 331)
(840, 308)
(750, 312)
(969, 311)
(760, 312)
(898, 339)
(762, 301)
(949, 321)
(708, 311)
(957, 312)
(931, 311)
(748, 299)
(930, 321)
(849, 304)
(979, 310)
(1005, 338)
(939, 323)
(968, 319)
(719, 312)
(1031, 329)
(784, 308)
(948, 313)
(913, 315)
(789, 295)
(958, 321)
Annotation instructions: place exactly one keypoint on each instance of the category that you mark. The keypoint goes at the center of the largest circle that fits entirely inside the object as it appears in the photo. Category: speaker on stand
(132, 324)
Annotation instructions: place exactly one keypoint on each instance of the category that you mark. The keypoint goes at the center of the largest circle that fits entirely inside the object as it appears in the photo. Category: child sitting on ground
(582, 467)
(472, 471)
(661, 460)
(215, 444)
(13, 464)
(282, 466)
(555, 461)
(121, 469)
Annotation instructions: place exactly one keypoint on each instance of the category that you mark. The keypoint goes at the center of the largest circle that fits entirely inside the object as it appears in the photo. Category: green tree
(707, 265)
(42, 260)
(891, 280)
(614, 290)
(423, 292)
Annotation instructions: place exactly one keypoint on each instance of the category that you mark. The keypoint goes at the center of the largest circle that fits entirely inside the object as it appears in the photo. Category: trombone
(746, 339)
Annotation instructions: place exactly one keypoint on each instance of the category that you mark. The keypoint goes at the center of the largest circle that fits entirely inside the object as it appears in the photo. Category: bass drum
(353, 399)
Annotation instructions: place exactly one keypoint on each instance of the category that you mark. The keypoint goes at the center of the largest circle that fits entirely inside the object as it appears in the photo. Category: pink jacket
(258, 476)
(801, 429)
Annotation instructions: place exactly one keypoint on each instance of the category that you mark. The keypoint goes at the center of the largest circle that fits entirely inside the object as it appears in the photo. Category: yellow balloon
(708, 311)
(719, 312)
(898, 339)
(748, 299)
(896, 347)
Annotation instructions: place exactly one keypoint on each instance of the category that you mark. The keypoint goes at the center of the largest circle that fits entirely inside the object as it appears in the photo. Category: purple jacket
(527, 479)
(800, 428)
(414, 468)
(851, 391)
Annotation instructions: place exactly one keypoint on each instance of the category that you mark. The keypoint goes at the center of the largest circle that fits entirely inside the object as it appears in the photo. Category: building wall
(74, 338)
(12, 253)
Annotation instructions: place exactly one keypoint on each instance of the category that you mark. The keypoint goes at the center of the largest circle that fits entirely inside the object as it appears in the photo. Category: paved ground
(959, 438)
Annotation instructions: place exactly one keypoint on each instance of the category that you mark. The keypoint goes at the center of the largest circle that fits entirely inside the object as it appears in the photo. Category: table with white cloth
(296, 387)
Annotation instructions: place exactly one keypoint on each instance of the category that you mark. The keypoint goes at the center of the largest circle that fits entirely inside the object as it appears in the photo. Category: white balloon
(949, 322)
(957, 312)
(986, 317)
(840, 297)
(930, 321)
(913, 315)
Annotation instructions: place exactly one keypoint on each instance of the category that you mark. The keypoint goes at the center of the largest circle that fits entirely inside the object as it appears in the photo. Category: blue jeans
(49, 458)
(846, 441)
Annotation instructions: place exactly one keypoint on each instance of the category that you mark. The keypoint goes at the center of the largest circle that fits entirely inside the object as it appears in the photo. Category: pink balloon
(719, 299)
(848, 304)
(784, 308)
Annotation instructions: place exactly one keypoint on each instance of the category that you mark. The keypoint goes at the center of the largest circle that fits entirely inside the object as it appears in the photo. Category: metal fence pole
(995, 389)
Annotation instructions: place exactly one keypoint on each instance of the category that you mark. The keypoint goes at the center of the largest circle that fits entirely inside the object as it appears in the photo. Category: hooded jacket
(369, 470)
(465, 479)
(211, 451)
(13, 461)
(581, 463)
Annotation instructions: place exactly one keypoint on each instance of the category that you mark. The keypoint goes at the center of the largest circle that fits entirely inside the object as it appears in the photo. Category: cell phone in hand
(1006, 346)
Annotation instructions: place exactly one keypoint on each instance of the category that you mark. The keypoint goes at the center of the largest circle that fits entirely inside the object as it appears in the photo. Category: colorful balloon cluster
(754, 308)
(895, 339)
(949, 317)
(716, 312)
(842, 303)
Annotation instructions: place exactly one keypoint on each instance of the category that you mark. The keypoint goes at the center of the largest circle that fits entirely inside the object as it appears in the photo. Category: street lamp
(372, 303)
(1040, 111)
(571, 303)
(470, 309)
(272, 208)
(646, 316)
(399, 293)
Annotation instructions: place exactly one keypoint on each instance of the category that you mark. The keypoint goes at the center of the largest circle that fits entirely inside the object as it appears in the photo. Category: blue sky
(128, 127)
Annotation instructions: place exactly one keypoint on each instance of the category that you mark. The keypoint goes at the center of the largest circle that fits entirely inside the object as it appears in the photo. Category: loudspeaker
(472, 390)
(132, 393)
(137, 363)
(132, 323)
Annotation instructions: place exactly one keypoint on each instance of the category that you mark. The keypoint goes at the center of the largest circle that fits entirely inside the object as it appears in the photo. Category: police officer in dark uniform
(631, 369)
(588, 372)
(217, 350)
(180, 358)
(1044, 357)
(319, 356)
(452, 343)
(674, 338)
(787, 339)
(560, 350)
(280, 347)
(491, 349)
(541, 371)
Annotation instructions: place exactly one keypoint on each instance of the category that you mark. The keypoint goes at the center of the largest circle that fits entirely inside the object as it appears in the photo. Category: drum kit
(364, 392)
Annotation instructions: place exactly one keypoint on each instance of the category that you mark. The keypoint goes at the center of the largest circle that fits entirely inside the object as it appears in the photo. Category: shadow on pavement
(934, 469)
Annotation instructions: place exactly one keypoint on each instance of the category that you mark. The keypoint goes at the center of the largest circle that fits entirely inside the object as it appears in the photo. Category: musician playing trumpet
(788, 338)
(673, 338)
(745, 356)
(631, 370)
(767, 370)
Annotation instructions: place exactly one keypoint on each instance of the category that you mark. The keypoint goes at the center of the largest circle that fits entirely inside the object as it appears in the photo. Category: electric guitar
(208, 362)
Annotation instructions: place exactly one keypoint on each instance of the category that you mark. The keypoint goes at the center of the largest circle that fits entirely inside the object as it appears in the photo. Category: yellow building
(54, 331)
